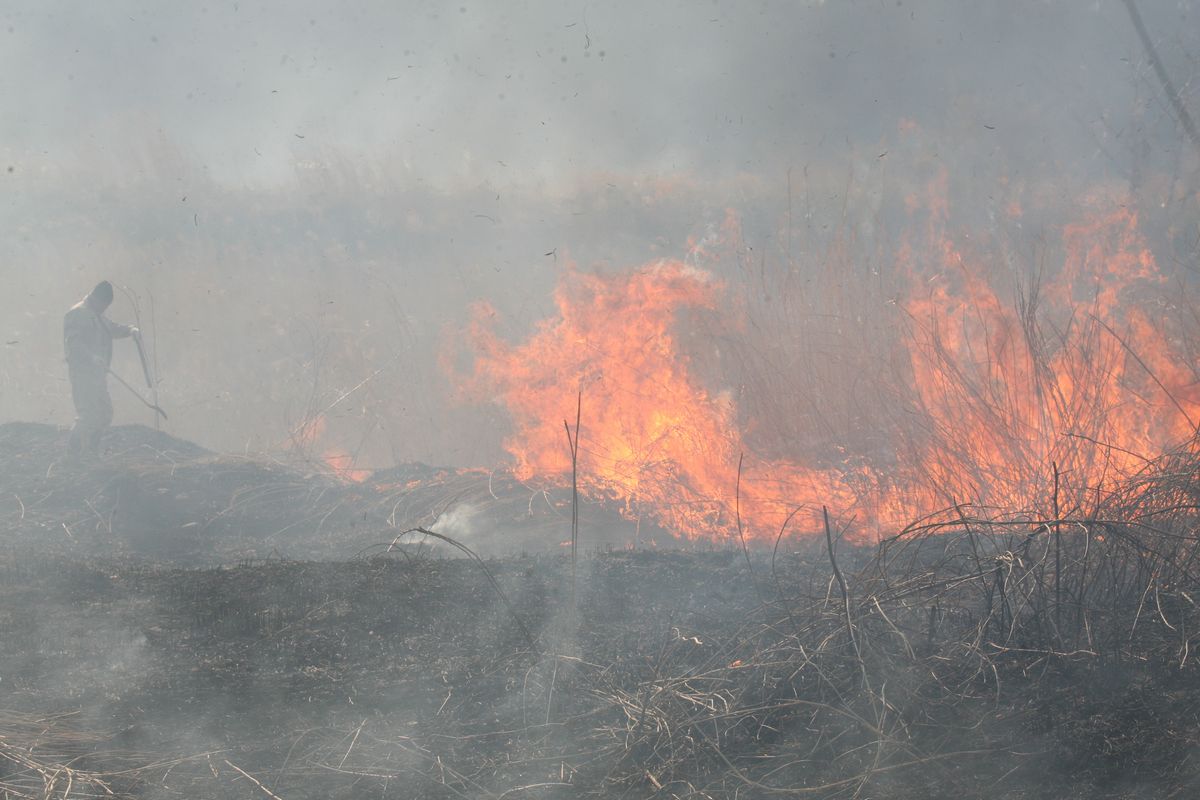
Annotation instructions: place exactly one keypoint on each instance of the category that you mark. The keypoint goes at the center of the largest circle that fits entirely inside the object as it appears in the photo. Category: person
(87, 341)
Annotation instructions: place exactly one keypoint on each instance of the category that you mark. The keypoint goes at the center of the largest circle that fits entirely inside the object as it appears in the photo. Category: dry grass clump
(974, 648)
(54, 758)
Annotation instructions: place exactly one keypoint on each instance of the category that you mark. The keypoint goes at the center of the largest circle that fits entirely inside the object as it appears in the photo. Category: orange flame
(1077, 375)
(652, 437)
(343, 466)
(1089, 385)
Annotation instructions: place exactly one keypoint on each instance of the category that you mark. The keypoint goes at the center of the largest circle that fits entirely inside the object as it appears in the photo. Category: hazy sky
(549, 91)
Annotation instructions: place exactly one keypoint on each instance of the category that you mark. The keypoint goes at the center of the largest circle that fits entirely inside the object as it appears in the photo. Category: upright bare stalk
(841, 581)
(573, 443)
(737, 512)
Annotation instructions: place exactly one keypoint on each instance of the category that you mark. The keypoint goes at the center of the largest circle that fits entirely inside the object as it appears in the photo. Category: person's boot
(91, 450)
(76, 446)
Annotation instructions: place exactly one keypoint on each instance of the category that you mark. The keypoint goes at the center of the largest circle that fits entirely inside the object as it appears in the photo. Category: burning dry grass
(884, 380)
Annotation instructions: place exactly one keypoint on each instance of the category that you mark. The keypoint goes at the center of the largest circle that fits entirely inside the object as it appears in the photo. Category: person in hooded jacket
(87, 341)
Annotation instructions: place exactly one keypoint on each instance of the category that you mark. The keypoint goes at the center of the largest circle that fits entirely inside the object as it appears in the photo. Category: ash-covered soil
(407, 677)
(168, 632)
(151, 495)
(400, 676)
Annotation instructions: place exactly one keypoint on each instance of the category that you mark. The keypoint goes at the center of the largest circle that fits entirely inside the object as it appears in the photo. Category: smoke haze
(302, 203)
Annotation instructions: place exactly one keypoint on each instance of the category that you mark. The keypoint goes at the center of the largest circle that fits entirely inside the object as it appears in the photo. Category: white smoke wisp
(459, 522)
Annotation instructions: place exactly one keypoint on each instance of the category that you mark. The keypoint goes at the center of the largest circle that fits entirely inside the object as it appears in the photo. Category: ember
(311, 434)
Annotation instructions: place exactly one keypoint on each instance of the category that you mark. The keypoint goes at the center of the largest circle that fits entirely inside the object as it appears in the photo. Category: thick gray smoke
(303, 200)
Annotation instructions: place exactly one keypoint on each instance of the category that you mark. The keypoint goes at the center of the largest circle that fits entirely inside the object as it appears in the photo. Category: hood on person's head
(101, 297)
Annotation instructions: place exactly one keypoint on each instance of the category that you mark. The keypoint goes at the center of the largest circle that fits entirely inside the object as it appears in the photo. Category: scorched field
(182, 624)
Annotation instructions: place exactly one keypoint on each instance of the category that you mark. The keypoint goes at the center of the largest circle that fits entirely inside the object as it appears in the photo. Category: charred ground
(182, 624)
